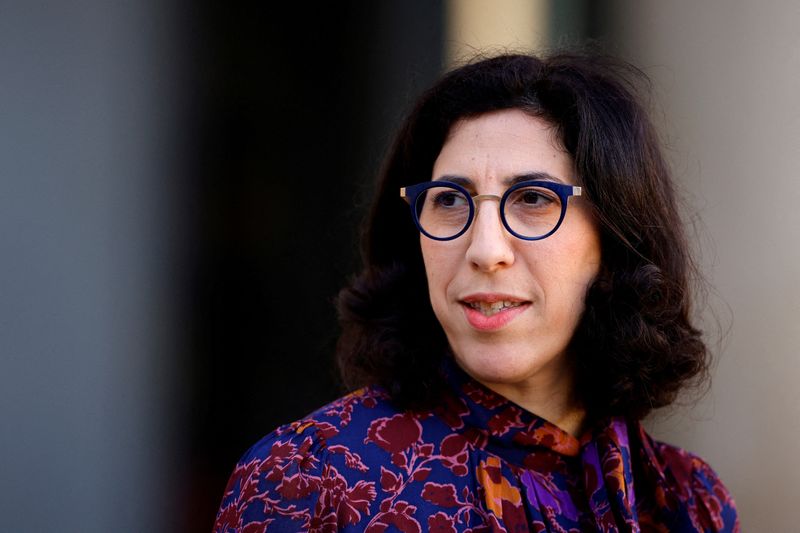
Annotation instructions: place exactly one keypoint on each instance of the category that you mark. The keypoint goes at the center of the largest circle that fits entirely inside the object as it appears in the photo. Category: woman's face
(544, 281)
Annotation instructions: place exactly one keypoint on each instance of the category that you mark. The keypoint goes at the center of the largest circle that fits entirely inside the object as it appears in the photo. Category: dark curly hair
(635, 346)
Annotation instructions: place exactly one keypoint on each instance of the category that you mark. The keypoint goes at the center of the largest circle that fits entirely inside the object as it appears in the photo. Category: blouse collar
(482, 413)
(602, 454)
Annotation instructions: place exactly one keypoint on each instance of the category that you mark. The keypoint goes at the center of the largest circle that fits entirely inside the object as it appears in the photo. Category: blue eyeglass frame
(412, 192)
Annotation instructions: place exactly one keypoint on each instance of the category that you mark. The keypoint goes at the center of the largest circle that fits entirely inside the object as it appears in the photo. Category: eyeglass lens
(530, 211)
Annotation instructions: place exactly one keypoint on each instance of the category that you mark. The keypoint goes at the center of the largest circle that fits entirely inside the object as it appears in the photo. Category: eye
(449, 199)
(533, 198)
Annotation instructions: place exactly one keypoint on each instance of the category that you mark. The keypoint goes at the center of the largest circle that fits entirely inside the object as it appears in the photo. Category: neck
(554, 400)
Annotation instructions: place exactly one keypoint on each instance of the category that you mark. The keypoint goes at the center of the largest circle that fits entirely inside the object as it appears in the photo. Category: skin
(524, 360)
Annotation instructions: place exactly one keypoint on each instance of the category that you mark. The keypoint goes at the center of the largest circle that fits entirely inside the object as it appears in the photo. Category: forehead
(495, 147)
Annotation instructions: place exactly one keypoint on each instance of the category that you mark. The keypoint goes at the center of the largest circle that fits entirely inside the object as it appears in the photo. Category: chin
(495, 364)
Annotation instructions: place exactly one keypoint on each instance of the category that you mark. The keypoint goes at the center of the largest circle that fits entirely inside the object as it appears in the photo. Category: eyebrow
(508, 182)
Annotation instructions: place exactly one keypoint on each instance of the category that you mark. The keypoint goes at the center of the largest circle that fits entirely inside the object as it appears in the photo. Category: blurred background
(181, 186)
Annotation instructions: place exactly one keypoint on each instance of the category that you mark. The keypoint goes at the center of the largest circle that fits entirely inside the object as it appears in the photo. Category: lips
(492, 311)
(492, 308)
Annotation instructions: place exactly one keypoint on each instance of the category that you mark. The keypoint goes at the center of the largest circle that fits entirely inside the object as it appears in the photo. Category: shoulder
(691, 483)
(317, 471)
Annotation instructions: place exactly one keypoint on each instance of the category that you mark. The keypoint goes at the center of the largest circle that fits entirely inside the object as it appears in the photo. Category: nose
(490, 248)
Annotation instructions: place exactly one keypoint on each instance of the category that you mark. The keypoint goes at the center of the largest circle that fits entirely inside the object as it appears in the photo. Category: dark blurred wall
(293, 108)
(180, 188)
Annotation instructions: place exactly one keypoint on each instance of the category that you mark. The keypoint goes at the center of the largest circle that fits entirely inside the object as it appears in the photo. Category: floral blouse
(478, 462)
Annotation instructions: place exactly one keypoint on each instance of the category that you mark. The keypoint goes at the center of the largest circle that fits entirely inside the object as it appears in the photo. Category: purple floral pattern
(477, 463)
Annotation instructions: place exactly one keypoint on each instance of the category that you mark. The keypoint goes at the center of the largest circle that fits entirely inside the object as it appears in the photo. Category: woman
(510, 330)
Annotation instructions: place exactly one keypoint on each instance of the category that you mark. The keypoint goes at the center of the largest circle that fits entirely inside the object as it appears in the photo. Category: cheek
(581, 248)
(570, 270)
(440, 268)
(583, 275)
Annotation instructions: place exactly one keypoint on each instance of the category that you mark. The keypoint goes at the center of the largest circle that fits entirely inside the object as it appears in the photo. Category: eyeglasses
(530, 210)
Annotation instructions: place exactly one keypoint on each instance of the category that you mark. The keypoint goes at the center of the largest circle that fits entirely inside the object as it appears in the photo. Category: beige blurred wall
(727, 80)
(726, 83)
(480, 26)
